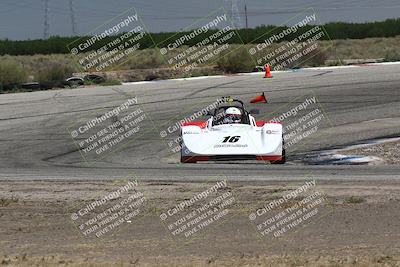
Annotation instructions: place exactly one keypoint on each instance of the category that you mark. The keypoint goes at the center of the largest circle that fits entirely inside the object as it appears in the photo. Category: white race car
(232, 133)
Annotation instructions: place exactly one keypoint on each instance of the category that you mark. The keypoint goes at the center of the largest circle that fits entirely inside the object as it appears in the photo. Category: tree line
(335, 30)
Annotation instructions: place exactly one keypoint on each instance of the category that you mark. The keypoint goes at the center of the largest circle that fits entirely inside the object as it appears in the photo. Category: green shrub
(336, 62)
(392, 55)
(236, 61)
(54, 71)
(355, 200)
(315, 58)
(145, 59)
(11, 72)
(4, 202)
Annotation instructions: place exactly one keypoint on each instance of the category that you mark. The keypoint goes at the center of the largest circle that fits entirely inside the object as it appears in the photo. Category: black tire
(283, 160)
(184, 159)
(180, 144)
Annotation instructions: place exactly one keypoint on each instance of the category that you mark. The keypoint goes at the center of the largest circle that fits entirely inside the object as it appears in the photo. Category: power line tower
(245, 13)
(73, 19)
(235, 16)
(237, 22)
(46, 33)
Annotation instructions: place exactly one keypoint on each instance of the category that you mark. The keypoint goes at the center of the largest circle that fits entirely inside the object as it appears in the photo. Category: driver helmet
(233, 115)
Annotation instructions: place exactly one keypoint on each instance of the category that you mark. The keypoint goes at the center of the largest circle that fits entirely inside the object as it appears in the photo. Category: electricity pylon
(73, 19)
(46, 32)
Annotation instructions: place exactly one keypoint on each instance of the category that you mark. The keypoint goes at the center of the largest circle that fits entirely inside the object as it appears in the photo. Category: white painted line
(368, 143)
(387, 63)
(262, 73)
(177, 79)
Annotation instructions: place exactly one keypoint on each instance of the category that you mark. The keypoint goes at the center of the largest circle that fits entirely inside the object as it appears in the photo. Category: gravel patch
(388, 152)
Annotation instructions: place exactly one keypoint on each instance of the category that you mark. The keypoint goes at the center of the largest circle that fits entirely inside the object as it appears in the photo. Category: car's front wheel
(283, 159)
(185, 159)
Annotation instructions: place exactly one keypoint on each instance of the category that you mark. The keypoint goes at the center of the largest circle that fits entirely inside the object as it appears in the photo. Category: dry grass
(355, 200)
(41, 67)
(4, 202)
(366, 48)
(11, 71)
(270, 261)
(145, 63)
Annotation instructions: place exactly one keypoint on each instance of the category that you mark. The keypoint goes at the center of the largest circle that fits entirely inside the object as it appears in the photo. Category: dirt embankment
(356, 224)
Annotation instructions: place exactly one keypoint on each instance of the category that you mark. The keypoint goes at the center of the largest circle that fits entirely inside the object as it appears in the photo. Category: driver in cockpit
(232, 115)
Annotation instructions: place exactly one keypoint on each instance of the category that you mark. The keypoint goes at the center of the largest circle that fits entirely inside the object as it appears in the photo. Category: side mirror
(254, 111)
(210, 113)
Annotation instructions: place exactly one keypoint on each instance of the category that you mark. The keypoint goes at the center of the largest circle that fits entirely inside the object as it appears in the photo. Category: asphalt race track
(358, 103)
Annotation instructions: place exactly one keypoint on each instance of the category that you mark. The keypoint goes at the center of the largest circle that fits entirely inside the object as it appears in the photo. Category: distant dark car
(75, 81)
(32, 86)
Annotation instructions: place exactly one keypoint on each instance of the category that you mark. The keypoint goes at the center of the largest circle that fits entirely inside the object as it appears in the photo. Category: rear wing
(228, 99)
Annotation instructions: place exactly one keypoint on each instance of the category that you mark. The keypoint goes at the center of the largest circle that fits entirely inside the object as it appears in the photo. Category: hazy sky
(24, 19)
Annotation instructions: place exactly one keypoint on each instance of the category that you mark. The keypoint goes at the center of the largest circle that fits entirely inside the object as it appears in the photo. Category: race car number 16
(231, 139)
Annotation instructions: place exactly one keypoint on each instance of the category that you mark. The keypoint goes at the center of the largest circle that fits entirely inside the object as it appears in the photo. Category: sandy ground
(357, 224)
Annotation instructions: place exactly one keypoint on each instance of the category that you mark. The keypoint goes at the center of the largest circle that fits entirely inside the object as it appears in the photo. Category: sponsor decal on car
(272, 132)
(230, 145)
(189, 132)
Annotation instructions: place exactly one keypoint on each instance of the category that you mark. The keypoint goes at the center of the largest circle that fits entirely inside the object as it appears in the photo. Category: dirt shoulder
(387, 152)
(355, 224)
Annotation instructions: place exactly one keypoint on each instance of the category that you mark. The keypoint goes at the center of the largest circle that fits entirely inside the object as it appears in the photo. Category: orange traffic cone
(267, 71)
(259, 99)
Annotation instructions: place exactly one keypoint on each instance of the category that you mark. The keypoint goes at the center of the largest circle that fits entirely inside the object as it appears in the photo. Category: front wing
(246, 142)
